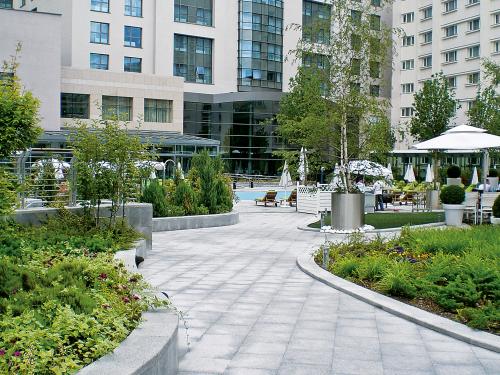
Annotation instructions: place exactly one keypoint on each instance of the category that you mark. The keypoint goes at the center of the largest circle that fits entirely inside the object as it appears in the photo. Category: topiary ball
(493, 173)
(496, 207)
(453, 171)
(452, 194)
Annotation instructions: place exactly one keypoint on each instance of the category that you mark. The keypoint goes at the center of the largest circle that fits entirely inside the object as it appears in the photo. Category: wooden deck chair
(270, 198)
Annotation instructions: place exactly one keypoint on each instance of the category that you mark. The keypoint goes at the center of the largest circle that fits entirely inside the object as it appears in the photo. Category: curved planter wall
(163, 224)
(151, 348)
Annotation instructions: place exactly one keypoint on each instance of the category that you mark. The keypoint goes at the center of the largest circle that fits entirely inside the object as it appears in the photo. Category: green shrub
(373, 268)
(458, 293)
(453, 171)
(493, 173)
(186, 198)
(172, 210)
(398, 281)
(8, 196)
(346, 267)
(452, 195)
(496, 207)
(483, 317)
(155, 194)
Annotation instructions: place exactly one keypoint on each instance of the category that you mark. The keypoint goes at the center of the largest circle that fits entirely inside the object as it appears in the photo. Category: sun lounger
(292, 199)
(269, 198)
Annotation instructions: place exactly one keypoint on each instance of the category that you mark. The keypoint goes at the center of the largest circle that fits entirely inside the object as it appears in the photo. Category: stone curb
(151, 348)
(385, 230)
(413, 314)
(164, 224)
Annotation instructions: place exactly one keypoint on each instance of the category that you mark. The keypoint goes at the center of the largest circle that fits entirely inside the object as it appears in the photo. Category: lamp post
(321, 179)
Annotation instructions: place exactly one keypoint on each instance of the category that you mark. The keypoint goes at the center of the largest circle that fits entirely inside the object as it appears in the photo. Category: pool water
(252, 195)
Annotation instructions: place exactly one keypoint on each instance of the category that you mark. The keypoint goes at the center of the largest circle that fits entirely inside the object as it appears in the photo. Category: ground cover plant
(64, 301)
(394, 220)
(453, 272)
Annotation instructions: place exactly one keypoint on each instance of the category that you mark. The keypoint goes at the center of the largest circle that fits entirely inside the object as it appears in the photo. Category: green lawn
(393, 220)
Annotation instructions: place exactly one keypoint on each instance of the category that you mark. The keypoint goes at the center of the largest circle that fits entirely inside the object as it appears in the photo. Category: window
(427, 37)
(450, 6)
(473, 78)
(75, 105)
(193, 58)
(406, 111)
(473, 2)
(6, 4)
(133, 8)
(451, 31)
(474, 24)
(471, 104)
(375, 90)
(99, 61)
(375, 3)
(99, 5)
(407, 88)
(99, 32)
(374, 22)
(427, 61)
(116, 107)
(132, 64)
(189, 11)
(496, 46)
(133, 37)
(408, 17)
(374, 69)
(356, 16)
(157, 110)
(473, 52)
(451, 56)
(356, 67)
(427, 13)
(496, 19)
(452, 82)
(408, 64)
(408, 41)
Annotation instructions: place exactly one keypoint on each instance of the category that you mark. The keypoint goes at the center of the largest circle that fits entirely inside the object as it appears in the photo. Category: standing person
(360, 184)
(379, 198)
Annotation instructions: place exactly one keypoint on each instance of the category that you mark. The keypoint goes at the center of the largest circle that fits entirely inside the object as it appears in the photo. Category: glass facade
(6, 4)
(99, 61)
(193, 11)
(99, 32)
(316, 22)
(246, 142)
(193, 58)
(99, 5)
(132, 37)
(133, 8)
(260, 53)
(75, 105)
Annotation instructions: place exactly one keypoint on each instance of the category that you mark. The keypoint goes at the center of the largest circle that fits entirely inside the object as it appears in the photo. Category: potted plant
(493, 179)
(495, 218)
(453, 175)
(452, 197)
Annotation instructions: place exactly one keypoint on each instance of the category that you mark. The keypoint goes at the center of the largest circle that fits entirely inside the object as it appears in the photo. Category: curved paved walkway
(251, 311)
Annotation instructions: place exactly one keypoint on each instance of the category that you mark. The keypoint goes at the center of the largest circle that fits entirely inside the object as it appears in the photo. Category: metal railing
(43, 177)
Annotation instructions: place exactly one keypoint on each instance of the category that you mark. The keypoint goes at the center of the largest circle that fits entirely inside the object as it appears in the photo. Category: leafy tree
(18, 111)
(107, 164)
(435, 106)
(486, 107)
(333, 100)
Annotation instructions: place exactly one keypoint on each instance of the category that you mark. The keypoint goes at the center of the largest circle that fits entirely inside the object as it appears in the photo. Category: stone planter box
(348, 211)
(453, 181)
(454, 214)
(495, 220)
(165, 224)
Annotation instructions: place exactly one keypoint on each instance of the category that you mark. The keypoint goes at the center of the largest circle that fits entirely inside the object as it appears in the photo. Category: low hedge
(452, 272)
(64, 301)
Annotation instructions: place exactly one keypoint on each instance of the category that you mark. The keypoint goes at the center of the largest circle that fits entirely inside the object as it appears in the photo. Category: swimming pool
(252, 195)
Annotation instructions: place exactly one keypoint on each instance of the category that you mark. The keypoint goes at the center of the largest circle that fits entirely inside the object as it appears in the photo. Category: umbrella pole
(486, 165)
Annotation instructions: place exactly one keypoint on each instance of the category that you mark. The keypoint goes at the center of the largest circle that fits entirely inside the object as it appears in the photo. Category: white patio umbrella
(389, 168)
(286, 179)
(179, 168)
(409, 175)
(369, 168)
(303, 167)
(475, 178)
(463, 137)
(336, 180)
(429, 174)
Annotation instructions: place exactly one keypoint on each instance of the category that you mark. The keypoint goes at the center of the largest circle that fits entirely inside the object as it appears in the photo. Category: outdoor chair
(270, 198)
(292, 199)
(472, 204)
(487, 200)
